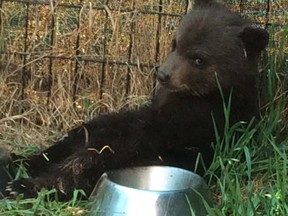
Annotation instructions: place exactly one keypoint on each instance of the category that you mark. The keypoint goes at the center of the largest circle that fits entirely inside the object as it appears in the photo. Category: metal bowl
(150, 191)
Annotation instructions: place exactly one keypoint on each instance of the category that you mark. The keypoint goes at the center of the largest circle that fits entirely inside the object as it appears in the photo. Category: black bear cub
(213, 47)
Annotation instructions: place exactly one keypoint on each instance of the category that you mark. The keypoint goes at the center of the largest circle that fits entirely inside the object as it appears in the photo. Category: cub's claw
(21, 186)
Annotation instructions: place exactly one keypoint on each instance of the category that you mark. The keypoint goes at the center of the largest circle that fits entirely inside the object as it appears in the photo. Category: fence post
(77, 52)
(132, 31)
(103, 67)
(158, 31)
(1, 29)
(24, 70)
(50, 64)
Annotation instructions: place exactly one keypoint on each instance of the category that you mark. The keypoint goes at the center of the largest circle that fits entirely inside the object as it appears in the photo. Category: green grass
(43, 205)
(249, 172)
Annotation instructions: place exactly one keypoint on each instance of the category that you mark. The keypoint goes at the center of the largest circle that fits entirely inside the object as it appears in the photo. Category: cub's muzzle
(162, 77)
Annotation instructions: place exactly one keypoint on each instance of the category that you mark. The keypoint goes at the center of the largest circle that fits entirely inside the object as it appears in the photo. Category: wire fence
(80, 53)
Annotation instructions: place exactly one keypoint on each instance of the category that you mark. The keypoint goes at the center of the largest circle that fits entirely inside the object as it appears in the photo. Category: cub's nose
(162, 76)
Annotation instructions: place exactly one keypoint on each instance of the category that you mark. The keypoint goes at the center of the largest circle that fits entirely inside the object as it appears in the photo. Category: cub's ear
(254, 39)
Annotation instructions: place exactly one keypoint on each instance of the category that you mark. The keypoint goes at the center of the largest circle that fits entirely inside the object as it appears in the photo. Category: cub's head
(212, 43)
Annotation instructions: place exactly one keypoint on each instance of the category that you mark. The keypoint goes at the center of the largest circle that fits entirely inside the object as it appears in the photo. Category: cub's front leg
(80, 170)
(42, 161)
(110, 141)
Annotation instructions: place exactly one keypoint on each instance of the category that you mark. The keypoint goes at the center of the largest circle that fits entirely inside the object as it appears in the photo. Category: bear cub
(213, 48)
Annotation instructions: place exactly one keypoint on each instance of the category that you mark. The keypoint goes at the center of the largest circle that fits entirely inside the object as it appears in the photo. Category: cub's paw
(21, 186)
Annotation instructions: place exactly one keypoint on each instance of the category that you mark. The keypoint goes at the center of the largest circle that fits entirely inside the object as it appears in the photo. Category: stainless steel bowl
(150, 191)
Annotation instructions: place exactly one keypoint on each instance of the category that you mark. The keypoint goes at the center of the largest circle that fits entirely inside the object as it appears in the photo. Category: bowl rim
(200, 180)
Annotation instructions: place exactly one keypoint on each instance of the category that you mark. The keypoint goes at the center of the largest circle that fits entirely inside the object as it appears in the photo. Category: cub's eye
(173, 45)
(199, 61)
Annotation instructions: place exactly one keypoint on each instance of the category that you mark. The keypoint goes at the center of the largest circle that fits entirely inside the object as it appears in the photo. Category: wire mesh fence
(92, 56)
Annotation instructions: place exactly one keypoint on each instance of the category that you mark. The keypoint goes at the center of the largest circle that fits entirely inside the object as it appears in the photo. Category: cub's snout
(162, 76)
